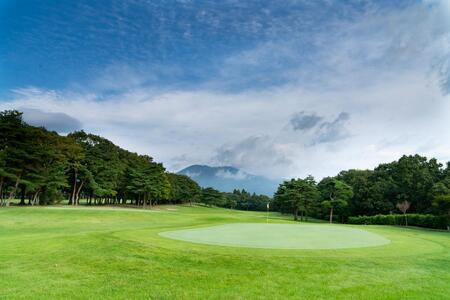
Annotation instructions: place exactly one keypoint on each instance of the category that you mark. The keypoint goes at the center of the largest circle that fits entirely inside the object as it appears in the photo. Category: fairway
(84, 253)
(280, 236)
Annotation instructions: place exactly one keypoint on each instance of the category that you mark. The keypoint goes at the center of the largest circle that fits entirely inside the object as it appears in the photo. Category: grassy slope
(97, 253)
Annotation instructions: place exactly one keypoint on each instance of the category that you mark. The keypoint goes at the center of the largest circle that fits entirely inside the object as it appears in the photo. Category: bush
(428, 221)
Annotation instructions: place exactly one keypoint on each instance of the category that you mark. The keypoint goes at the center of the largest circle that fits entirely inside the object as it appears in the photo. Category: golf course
(198, 252)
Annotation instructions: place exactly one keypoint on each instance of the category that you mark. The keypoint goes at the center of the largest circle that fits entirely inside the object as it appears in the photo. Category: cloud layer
(374, 87)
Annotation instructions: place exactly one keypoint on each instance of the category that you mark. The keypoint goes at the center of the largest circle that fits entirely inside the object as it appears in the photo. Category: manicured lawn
(280, 236)
(94, 253)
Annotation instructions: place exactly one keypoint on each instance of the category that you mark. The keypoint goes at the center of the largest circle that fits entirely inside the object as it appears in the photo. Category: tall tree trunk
(36, 197)
(448, 226)
(331, 214)
(1, 190)
(74, 190)
(296, 214)
(22, 194)
(77, 196)
(13, 192)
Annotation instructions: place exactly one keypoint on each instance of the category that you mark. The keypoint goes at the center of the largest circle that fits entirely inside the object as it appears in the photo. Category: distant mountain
(226, 179)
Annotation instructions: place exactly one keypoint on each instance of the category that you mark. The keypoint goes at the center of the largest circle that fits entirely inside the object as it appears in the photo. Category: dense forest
(413, 184)
(40, 167)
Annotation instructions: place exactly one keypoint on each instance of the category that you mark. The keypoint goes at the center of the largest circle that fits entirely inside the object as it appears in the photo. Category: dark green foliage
(442, 202)
(109, 174)
(147, 181)
(31, 159)
(212, 196)
(414, 179)
(243, 200)
(16, 148)
(410, 178)
(43, 167)
(238, 199)
(297, 196)
(183, 189)
(420, 220)
(335, 194)
(362, 201)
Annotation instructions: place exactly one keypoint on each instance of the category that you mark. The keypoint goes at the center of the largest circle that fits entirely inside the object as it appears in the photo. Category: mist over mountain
(227, 179)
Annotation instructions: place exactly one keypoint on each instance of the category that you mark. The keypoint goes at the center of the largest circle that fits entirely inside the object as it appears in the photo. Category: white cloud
(192, 174)
(256, 154)
(239, 175)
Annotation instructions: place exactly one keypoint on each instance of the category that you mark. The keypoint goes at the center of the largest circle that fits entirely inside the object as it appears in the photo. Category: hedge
(428, 221)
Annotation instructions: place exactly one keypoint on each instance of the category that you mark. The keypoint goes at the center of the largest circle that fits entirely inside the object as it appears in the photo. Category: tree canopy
(298, 196)
(44, 167)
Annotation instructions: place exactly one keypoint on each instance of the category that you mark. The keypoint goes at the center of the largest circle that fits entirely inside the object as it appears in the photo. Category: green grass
(280, 236)
(92, 253)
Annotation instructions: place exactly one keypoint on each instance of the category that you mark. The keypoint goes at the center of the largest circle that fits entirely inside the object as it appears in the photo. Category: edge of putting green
(279, 236)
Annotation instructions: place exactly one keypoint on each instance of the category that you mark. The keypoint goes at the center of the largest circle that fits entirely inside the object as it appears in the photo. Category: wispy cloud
(304, 121)
(239, 175)
(333, 131)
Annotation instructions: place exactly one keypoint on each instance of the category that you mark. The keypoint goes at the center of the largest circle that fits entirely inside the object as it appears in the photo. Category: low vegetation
(426, 220)
(117, 253)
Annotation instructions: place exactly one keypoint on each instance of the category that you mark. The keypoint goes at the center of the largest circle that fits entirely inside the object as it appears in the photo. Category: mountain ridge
(228, 178)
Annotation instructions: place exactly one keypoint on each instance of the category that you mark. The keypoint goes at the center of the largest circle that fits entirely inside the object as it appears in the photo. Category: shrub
(428, 221)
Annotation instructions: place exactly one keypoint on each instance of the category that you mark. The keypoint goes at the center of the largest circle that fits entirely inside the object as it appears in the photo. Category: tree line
(412, 184)
(41, 167)
(238, 199)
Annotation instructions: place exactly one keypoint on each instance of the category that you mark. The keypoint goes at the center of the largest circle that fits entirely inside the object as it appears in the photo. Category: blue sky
(58, 44)
(288, 83)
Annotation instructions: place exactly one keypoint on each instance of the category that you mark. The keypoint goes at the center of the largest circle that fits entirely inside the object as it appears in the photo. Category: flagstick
(267, 214)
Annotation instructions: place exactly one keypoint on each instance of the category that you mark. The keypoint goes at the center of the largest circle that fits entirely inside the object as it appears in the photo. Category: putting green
(280, 236)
